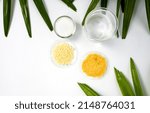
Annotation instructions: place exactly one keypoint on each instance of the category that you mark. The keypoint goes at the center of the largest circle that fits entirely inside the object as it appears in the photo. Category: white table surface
(25, 64)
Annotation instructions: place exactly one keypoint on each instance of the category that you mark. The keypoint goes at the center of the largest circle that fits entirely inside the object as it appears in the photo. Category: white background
(25, 64)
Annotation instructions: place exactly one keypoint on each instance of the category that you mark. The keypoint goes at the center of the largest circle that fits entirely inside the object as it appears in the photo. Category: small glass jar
(101, 25)
(64, 27)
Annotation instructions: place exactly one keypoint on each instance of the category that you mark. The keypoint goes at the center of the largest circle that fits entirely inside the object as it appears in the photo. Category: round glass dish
(62, 51)
(101, 24)
(64, 27)
(91, 65)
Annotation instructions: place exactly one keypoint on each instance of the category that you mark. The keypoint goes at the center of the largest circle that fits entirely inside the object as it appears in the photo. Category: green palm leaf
(92, 5)
(124, 84)
(147, 4)
(70, 4)
(122, 5)
(6, 15)
(135, 79)
(118, 7)
(117, 13)
(128, 11)
(26, 15)
(88, 90)
(42, 10)
(71, 1)
(104, 3)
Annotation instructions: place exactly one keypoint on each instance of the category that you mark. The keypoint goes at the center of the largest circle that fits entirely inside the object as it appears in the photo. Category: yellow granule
(94, 65)
(63, 53)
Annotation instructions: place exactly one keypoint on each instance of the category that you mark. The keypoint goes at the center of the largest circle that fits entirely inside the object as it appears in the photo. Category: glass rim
(74, 26)
(105, 10)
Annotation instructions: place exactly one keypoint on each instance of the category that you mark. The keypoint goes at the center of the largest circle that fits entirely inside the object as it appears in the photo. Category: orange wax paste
(94, 65)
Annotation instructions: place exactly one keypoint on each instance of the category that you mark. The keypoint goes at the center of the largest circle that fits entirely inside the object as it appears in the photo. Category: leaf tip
(79, 83)
(123, 37)
(30, 35)
(6, 34)
(51, 28)
(131, 59)
(115, 69)
(83, 23)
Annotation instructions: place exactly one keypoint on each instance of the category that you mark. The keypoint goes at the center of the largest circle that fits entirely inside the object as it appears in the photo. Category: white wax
(64, 27)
